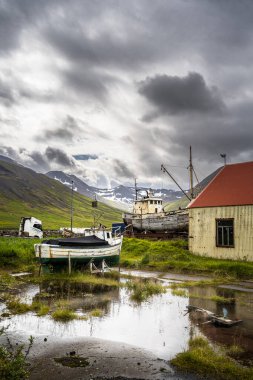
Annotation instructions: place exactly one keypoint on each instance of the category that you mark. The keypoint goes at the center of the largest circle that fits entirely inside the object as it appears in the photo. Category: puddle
(158, 325)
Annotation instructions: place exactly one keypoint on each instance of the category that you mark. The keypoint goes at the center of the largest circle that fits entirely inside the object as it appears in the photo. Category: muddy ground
(90, 358)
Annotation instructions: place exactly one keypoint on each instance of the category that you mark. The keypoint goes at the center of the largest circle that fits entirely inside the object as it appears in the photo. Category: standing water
(160, 324)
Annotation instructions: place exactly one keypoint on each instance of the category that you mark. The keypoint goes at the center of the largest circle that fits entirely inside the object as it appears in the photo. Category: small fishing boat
(210, 317)
(224, 322)
(95, 246)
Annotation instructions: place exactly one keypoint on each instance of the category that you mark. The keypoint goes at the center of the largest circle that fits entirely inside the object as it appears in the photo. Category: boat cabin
(148, 205)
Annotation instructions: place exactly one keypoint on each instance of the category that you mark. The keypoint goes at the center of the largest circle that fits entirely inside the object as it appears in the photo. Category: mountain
(120, 196)
(23, 192)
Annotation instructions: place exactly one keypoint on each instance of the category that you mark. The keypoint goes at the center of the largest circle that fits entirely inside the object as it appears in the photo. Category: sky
(126, 86)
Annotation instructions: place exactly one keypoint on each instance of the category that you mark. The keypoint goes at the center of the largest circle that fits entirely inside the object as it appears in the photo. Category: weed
(179, 292)
(97, 313)
(13, 365)
(142, 290)
(17, 307)
(234, 351)
(203, 359)
(39, 308)
(64, 315)
(222, 300)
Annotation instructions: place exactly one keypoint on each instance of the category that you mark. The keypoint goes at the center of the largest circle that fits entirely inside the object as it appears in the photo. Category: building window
(225, 232)
(151, 202)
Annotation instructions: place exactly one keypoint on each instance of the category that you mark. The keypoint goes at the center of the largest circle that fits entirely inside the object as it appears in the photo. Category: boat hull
(158, 222)
(53, 254)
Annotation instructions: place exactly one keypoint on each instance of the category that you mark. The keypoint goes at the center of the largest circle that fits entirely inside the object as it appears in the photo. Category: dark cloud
(67, 132)
(7, 95)
(121, 169)
(57, 156)
(9, 152)
(87, 82)
(176, 95)
(39, 161)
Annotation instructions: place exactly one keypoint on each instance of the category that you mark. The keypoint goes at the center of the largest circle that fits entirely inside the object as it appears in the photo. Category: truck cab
(30, 227)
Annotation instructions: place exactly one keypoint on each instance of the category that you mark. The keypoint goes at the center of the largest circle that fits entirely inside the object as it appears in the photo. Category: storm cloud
(66, 132)
(131, 84)
(176, 95)
(58, 156)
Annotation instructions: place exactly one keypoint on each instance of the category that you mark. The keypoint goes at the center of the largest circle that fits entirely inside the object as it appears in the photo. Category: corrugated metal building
(221, 217)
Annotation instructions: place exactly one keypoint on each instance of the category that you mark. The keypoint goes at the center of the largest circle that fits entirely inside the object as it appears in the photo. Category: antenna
(224, 156)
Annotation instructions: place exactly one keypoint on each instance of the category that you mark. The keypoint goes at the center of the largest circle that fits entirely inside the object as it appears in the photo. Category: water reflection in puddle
(159, 325)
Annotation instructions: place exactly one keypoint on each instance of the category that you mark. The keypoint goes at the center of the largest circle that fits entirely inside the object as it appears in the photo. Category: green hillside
(24, 192)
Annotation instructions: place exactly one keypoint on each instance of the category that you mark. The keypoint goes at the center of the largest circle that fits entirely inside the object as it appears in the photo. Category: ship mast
(191, 174)
(136, 190)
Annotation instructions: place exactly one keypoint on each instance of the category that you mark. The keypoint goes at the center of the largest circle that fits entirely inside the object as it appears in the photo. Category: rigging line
(177, 166)
(195, 175)
(166, 171)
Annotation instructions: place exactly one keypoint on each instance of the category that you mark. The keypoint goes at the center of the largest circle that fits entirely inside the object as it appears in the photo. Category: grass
(80, 278)
(142, 290)
(17, 253)
(97, 313)
(203, 359)
(64, 315)
(174, 256)
(52, 216)
(222, 300)
(179, 292)
(16, 307)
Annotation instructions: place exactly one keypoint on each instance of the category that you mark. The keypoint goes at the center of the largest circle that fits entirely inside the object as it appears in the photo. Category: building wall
(202, 232)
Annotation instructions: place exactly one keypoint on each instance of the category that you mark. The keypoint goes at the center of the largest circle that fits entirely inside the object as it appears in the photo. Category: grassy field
(137, 254)
(174, 256)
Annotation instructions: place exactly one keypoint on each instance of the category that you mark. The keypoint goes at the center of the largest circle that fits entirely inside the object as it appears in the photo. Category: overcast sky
(126, 84)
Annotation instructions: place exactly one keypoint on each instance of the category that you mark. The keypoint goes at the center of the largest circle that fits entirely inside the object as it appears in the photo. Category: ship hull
(55, 254)
(158, 222)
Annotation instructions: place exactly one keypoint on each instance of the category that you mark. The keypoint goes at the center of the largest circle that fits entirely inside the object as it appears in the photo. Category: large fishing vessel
(148, 215)
(148, 212)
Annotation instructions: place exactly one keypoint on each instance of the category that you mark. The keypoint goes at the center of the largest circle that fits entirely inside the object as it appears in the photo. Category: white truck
(30, 227)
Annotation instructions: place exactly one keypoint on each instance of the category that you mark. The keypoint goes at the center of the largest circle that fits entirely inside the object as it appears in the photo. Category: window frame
(217, 235)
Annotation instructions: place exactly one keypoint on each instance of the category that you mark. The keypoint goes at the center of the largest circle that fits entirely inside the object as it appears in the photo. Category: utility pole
(191, 174)
(71, 206)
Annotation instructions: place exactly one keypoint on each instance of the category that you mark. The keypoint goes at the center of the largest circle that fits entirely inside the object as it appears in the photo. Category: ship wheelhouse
(148, 205)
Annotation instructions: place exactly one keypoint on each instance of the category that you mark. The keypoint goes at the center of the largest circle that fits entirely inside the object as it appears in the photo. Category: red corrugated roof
(232, 186)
